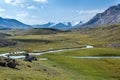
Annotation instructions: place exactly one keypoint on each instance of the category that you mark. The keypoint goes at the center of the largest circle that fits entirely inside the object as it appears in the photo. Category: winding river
(51, 51)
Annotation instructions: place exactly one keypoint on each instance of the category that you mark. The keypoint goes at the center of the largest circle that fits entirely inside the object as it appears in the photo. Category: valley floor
(60, 66)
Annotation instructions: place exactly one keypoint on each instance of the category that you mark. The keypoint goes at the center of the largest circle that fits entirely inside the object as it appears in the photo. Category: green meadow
(61, 65)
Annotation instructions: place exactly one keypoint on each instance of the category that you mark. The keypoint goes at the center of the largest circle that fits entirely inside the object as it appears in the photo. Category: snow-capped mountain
(60, 25)
(6, 23)
(77, 24)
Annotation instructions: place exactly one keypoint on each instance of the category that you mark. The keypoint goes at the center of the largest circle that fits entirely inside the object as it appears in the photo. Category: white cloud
(41, 1)
(9, 1)
(34, 21)
(2, 10)
(29, 4)
(22, 15)
(85, 15)
(27, 19)
(90, 11)
(31, 7)
(15, 2)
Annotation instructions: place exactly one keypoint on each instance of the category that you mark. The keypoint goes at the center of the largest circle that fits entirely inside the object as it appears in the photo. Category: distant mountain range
(60, 26)
(109, 16)
(6, 23)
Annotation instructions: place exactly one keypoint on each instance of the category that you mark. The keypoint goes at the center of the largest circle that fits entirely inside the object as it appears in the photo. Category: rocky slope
(109, 16)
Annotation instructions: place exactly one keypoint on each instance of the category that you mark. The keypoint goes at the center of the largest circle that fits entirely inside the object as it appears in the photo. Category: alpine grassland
(62, 65)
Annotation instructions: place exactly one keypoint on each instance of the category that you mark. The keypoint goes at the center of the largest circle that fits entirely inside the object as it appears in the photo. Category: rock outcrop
(109, 16)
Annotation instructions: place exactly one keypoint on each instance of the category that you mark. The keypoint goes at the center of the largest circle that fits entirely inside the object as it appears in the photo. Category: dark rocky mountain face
(110, 16)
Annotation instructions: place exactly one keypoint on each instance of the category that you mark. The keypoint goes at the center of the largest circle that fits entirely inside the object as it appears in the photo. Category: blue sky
(43, 11)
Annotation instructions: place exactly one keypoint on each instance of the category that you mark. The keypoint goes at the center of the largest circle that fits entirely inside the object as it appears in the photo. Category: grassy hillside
(4, 41)
(88, 69)
(46, 42)
(42, 31)
(105, 36)
(60, 66)
(3, 35)
(13, 32)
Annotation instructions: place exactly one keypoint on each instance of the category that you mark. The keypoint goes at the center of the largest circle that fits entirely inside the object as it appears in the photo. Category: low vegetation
(87, 69)
(43, 31)
(61, 65)
(109, 35)
(6, 42)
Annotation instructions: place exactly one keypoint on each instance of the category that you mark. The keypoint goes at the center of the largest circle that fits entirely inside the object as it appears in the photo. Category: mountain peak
(109, 16)
(60, 25)
(12, 23)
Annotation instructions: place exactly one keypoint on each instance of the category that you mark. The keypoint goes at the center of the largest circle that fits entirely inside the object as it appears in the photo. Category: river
(51, 51)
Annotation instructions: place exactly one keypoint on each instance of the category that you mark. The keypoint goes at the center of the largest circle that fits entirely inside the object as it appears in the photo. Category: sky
(43, 11)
